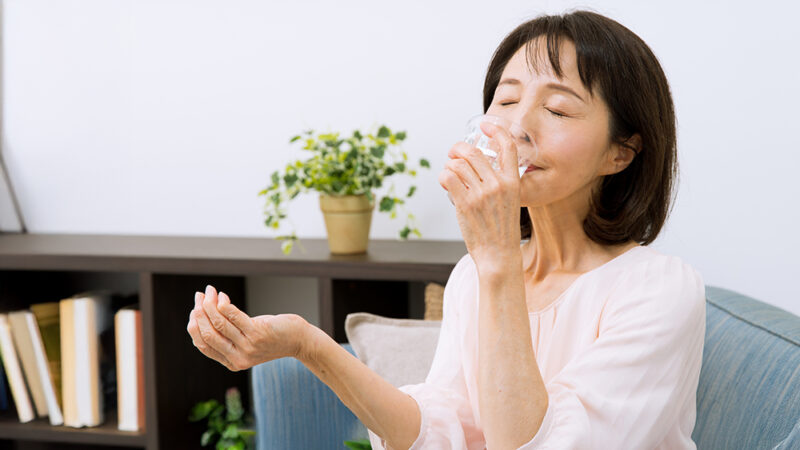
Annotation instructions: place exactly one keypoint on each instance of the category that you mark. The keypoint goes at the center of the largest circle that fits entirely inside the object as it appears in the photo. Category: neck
(558, 243)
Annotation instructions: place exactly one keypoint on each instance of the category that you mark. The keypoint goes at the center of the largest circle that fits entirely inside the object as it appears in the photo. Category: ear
(622, 154)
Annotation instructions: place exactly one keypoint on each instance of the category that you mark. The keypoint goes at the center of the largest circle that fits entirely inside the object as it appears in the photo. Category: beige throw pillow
(399, 350)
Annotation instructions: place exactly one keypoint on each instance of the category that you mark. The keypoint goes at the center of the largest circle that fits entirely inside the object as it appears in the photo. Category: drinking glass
(527, 151)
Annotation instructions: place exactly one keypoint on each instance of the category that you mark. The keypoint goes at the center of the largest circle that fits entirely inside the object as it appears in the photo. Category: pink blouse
(619, 351)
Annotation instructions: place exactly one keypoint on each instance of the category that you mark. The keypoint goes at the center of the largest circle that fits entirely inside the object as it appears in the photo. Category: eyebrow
(556, 86)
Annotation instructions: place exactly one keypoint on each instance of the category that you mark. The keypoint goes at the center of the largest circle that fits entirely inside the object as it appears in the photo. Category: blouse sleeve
(627, 389)
(447, 418)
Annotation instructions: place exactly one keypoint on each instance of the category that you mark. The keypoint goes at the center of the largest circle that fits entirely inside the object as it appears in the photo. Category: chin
(531, 201)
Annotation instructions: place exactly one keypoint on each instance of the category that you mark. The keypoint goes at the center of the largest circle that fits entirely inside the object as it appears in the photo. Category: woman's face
(570, 128)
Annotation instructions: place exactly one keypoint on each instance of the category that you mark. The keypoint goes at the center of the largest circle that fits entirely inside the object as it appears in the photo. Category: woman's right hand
(224, 333)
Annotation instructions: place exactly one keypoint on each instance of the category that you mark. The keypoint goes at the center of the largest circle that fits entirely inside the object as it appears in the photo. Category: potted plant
(344, 170)
(226, 423)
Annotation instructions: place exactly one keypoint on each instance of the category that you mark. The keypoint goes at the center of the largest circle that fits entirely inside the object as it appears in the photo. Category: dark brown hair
(617, 65)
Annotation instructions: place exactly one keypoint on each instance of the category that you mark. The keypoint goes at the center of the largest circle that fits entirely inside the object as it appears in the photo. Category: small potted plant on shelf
(344, 170)
(226, 424)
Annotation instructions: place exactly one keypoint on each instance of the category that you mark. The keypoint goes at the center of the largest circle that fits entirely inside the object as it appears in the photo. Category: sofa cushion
(399, 350)
(295, 410)
(748, 394)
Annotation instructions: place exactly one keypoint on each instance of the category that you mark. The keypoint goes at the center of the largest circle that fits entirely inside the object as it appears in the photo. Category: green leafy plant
(351, 165)
(360, 444)
(226, 424)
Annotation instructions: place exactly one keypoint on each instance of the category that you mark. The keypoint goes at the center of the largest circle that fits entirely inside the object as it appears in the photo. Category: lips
(531, 168)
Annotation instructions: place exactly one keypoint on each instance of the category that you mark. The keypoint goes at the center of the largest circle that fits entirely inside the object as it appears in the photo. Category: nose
(522, 114)
(525, 132)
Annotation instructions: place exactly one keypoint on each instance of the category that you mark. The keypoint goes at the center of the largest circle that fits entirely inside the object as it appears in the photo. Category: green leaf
(226, 444)
(202, 409)
(386, 204)
(217, 412)
(377, 151)
(357, 135)
(231, 431)
(360, 444)
(400, 167)
(400, 135)
(383, 132)
(416, 232)
(286, 247)
(206, 437)
(404, 232)
(424, 163)
(294, 139)
(389, 171)
(275, 177)
(327, 137)
(289, 179)
(243, 432)
(411, 191)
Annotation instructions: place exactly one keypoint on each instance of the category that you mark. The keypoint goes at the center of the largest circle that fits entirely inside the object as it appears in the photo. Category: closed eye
(551, 111)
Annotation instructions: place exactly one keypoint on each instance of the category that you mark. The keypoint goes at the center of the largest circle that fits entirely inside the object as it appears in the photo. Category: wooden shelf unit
(165, 271)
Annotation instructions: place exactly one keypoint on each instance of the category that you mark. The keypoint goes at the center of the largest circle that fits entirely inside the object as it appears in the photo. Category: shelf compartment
(41, 430)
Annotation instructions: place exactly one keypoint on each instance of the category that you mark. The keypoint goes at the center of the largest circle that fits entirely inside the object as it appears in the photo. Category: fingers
(217, 320)
(239, 319)
(194, 331)
(452, 183)
(474, 156)
(464, 172)
(209, 334)
(508, 159)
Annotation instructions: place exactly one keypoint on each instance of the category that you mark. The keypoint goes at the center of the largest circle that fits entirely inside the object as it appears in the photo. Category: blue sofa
(748, 397)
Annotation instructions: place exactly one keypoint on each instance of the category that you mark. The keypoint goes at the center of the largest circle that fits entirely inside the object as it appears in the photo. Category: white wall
(166, 117)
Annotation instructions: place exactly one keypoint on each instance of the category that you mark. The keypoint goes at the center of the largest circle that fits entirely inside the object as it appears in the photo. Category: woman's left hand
(224, 333)
(487, 201)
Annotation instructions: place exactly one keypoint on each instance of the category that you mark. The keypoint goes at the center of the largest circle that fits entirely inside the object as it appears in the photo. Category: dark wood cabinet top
(385, 258)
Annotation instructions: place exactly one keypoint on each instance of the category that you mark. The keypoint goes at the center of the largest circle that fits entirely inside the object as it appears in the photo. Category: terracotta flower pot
(347, 221)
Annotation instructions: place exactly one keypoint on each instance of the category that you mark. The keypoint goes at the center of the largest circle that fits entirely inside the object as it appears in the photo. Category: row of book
(74, 359)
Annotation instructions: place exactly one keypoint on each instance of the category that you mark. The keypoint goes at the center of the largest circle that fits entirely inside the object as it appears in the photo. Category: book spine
(3, 394)
(66, 309)
(25, 354)
(54, 411)
(15, 379)
(140, 372)
(47, 316)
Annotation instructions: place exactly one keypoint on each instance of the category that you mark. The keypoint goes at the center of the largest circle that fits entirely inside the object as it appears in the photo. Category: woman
(581, 336)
